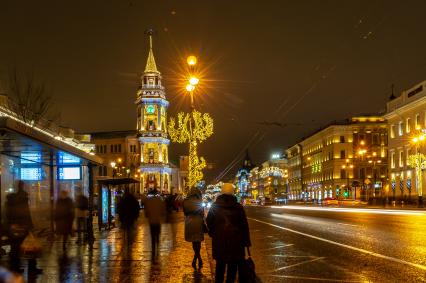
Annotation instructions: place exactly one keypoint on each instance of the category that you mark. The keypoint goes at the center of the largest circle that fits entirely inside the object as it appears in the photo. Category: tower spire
(150, 67)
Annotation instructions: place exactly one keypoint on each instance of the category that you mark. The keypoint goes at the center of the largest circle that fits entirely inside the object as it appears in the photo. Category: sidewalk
(110, 260)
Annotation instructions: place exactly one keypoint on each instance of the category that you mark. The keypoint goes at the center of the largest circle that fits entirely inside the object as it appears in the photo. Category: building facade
(152, 107)
(294, 156)
(346, 160)
(406, 116)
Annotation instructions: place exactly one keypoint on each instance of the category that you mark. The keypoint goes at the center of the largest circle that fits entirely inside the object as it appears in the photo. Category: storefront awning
(17, 137)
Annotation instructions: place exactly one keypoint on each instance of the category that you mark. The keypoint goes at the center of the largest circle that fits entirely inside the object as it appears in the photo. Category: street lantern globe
(193, 81)
(190, 87)
(191, 60)
(113, 164)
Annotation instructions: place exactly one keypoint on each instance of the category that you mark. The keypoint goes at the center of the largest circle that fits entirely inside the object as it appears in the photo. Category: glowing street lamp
(194, 81)
(191, 60)
(192, 128)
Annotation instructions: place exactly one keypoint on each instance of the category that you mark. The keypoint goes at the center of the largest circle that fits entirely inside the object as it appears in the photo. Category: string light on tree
(192, 128)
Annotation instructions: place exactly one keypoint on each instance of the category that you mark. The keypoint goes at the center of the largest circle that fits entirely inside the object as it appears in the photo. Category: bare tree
(30, 99)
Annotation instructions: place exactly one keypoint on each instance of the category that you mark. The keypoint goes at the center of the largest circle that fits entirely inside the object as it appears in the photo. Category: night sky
(273, 71)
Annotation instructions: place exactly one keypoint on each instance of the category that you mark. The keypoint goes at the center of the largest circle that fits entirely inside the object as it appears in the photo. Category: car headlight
(204, 204)
(209, 205)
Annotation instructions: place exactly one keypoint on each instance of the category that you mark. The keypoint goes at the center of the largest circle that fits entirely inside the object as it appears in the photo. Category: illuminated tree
(418, 162)
(192, 128)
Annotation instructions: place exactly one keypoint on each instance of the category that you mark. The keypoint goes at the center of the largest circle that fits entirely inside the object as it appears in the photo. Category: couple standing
(227, 226)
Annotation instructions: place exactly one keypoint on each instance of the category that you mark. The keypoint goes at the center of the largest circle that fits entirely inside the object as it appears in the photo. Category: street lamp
(192, 128)
(346, 167)
(113, 168)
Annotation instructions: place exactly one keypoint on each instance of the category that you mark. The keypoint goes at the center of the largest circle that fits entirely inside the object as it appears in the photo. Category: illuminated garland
(418, 161)
(271, 171)
(192, 128)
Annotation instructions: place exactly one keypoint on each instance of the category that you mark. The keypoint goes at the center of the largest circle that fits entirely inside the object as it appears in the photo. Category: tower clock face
(150, 109)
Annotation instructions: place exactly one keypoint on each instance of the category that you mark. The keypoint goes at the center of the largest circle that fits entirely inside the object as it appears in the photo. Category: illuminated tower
(152, 128)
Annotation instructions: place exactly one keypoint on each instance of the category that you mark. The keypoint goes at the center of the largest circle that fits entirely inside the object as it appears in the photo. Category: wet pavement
(110, 259)
(304, 245)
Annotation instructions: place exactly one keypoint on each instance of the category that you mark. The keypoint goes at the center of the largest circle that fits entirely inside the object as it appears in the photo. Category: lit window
(400, 128)
(392, 131)
(408, 125)
(401, 158)
(393, 159)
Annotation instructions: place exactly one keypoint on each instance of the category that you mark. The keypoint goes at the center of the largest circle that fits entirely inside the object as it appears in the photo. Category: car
(330, 201)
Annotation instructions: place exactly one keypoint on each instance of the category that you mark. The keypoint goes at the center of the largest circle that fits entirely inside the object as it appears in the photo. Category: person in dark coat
(155, 211)
(128, 212)
(228, 227)
(19, 224)
(82, 214)
(194, 222)
(64, 217)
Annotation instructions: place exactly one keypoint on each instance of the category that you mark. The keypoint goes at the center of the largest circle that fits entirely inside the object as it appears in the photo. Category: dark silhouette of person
(19, 224)
(228, 227)
(82, 214)
(194, 222)
(128, 212)
(155, 211)
(64, 217)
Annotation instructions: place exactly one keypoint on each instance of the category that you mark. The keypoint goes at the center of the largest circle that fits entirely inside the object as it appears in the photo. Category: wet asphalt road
(297, 244)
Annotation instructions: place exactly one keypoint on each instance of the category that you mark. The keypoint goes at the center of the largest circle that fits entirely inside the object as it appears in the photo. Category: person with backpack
(228, 227)
(81, 213)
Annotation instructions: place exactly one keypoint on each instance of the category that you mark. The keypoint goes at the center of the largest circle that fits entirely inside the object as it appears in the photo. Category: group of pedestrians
(19, 224)
(226, 224)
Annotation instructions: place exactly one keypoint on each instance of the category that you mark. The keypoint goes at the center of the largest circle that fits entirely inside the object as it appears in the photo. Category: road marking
(299, 263)
(397, 260)
(346, 224)
(278, 247)
(356, 210)
(313, 278)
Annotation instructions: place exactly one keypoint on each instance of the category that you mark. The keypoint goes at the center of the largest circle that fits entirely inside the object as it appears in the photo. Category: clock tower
(152, 128)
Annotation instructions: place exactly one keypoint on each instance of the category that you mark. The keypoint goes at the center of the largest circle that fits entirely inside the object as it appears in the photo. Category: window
(408, 125)
(105, 147)
(119, 148)
(393, 160)
(342, 139)
(342, 173)
(400, 128)
(417, 124)
(401, 158)
(112, 149)
(376, 139)
(392, 131)
(342, 154)
(100, 170)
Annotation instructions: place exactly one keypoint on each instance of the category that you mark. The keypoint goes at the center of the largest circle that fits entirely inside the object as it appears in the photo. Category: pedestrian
(155, 211)
(228, 227)
(194, 224)
(64, 217)
(81, 213)
(128, 212)
(19, 224)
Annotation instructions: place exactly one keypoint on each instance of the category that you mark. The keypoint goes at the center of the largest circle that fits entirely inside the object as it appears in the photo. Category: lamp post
(113, 168)
(346, 167)
(418, 161)
(374, 159)
(193, 128)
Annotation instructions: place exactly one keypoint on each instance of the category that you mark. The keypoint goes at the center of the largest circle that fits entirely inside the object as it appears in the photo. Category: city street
(110, 260)
(314, 244)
